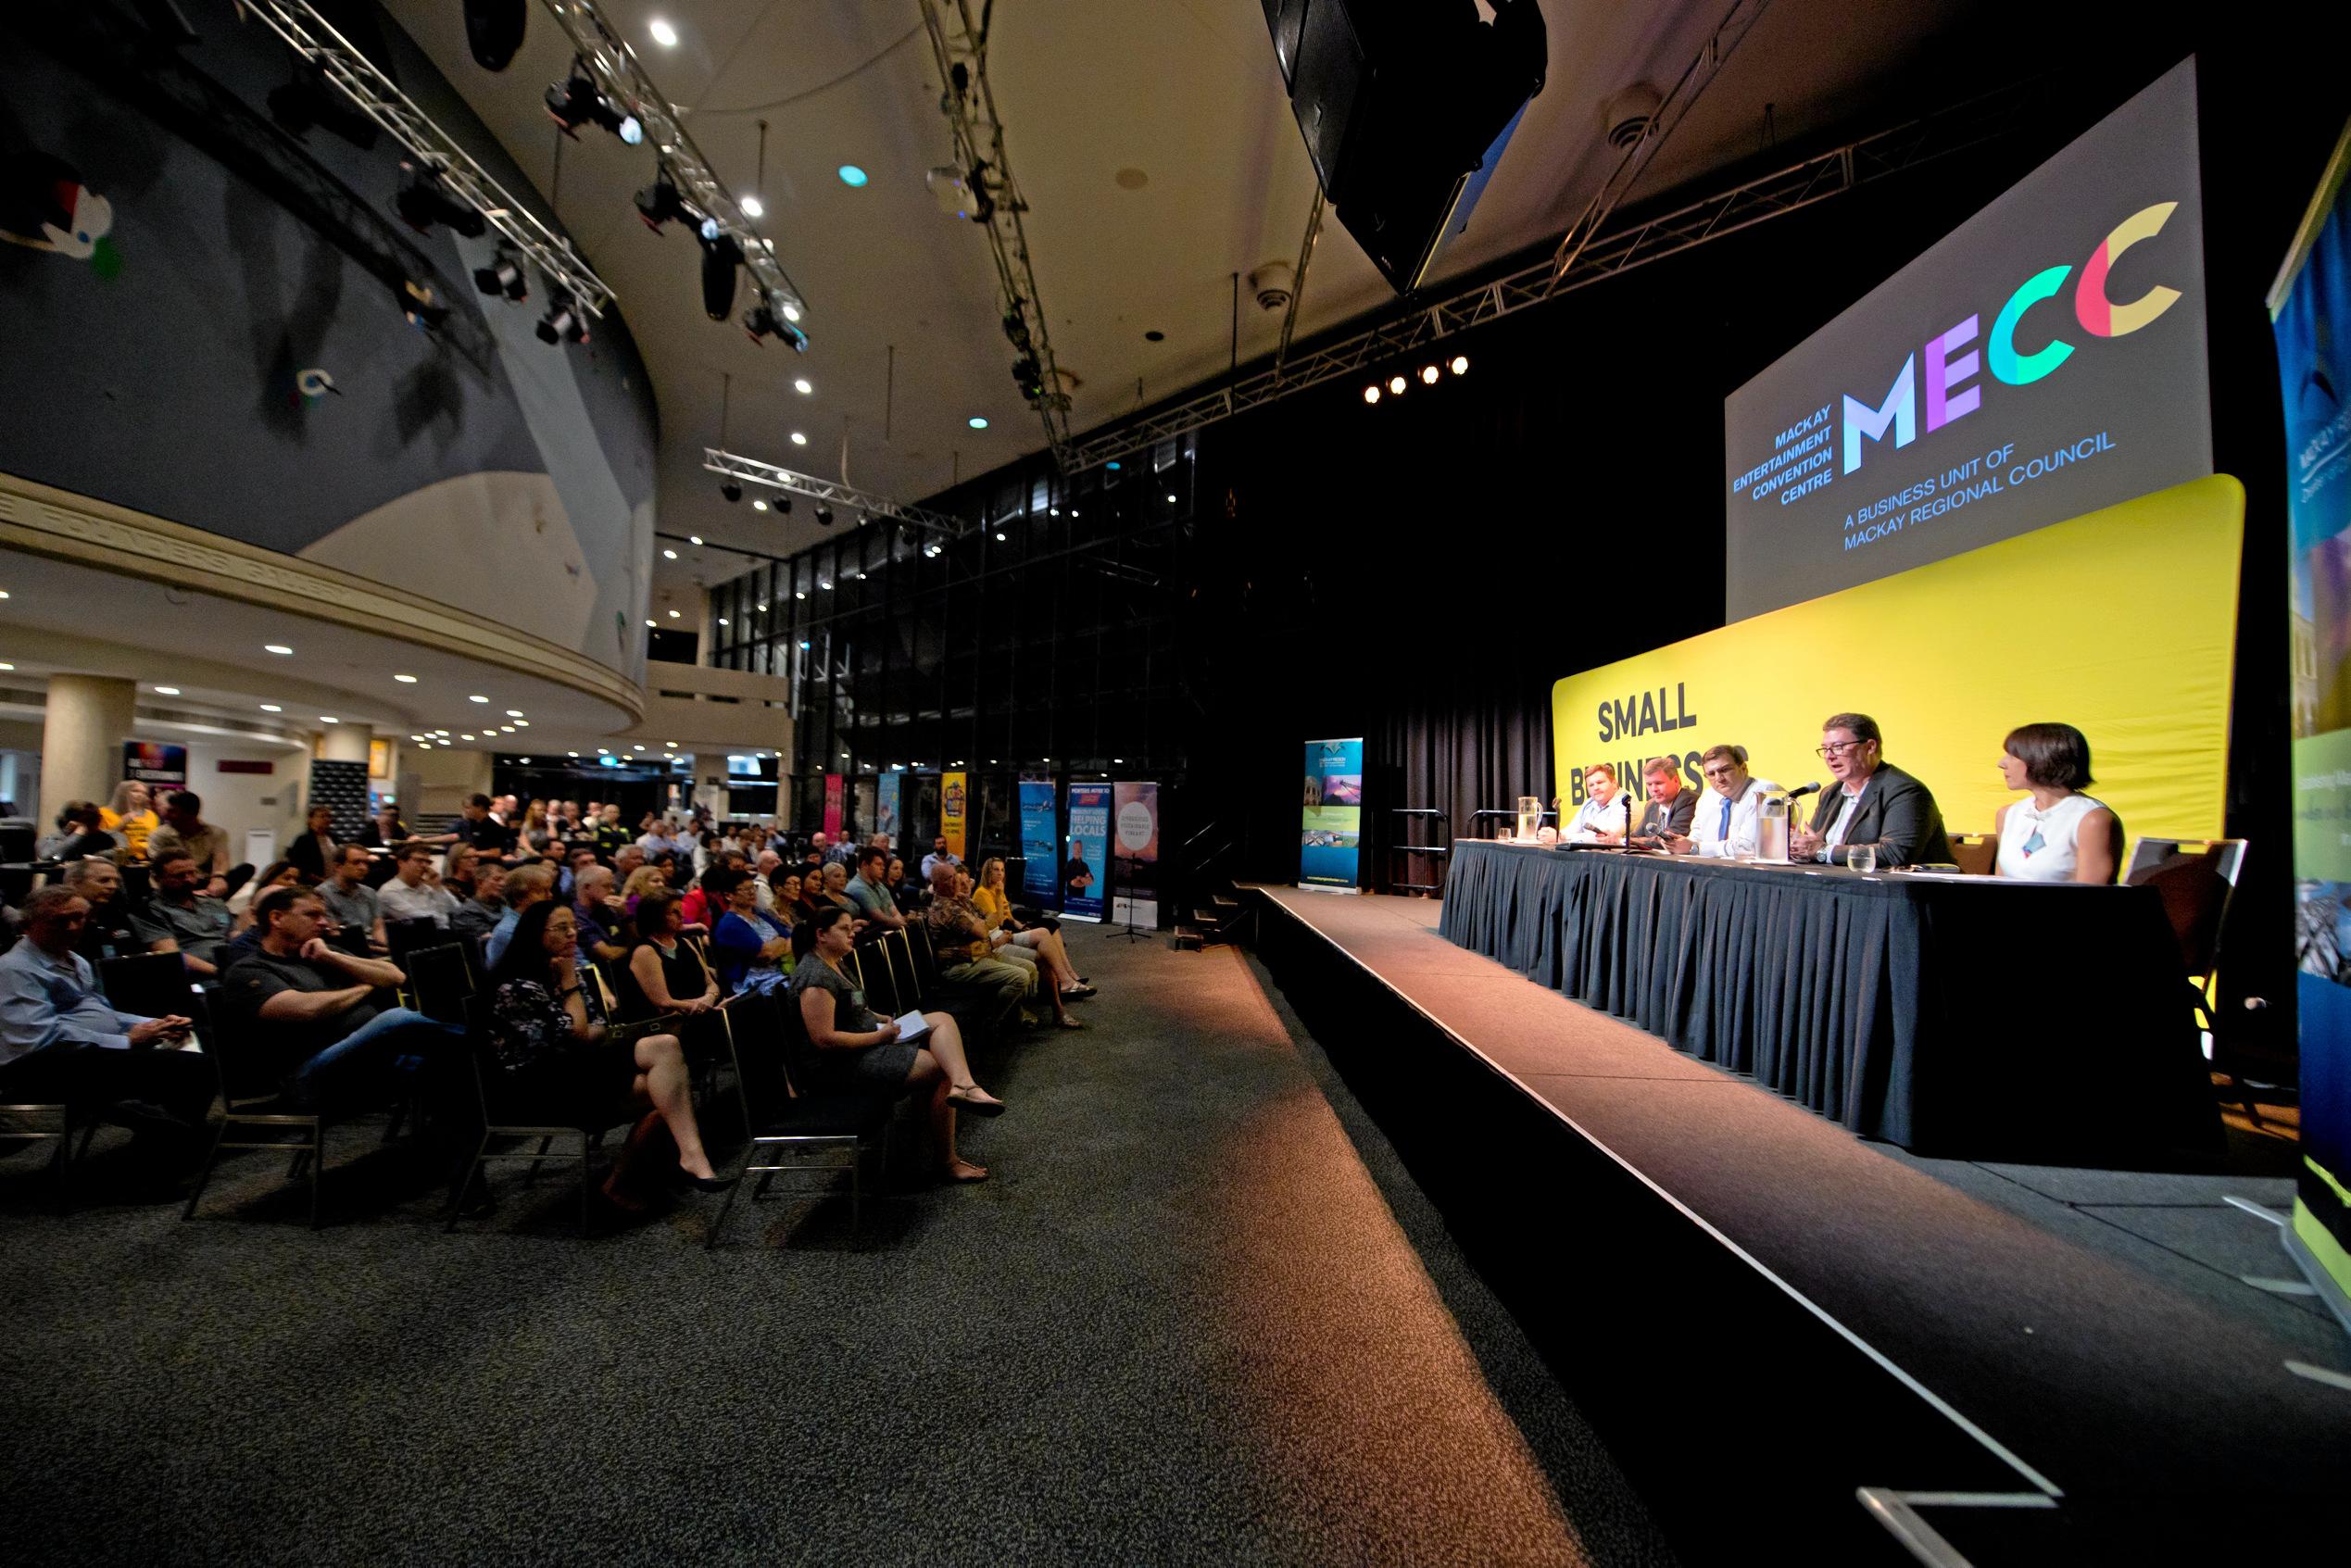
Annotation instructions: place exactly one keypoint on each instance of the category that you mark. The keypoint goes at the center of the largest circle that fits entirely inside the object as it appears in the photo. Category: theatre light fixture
(1460, 364)
(659, 203)
(1429, 375)
(1371, 393)
(574, 102)
(423, 200)
(504, 276)
(1397, 385)
(562, 323)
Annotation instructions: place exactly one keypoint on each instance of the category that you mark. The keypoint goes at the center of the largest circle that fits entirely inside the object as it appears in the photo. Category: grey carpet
(1182, 1323)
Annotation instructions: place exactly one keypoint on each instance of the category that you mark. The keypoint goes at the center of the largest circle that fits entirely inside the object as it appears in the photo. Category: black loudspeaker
(494, 30)
(721, 257)
(1400, 103)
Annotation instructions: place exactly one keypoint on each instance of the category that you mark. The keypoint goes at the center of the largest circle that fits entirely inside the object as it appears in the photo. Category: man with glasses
(1723, 826)
(1878, 804)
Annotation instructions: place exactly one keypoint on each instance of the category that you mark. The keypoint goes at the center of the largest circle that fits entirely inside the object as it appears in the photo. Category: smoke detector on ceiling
(1271, 284)
(1627, 116)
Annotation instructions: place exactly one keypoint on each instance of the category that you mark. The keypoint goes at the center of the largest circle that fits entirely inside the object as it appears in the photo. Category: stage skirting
(1970, 1017)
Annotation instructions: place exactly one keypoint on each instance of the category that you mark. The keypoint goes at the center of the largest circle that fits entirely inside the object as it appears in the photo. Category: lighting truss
(979, 154)
(1743, 205)
(750, 470)
(312, 38)
(612, 65)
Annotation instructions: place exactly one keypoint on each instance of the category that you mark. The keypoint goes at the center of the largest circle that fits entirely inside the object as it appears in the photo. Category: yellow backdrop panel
(2120, 622)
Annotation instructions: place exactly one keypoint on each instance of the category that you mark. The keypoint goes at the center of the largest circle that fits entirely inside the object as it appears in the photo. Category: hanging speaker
(722, 258)
(494, 30)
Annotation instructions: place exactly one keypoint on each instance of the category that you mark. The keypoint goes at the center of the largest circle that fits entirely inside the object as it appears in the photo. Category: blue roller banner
(1331, 828)
(1040, 876)
(885, 808)
(1086, 863)
(2310, 312)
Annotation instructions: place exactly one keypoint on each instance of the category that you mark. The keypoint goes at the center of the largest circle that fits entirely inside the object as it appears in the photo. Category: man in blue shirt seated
(312, 1007)
(531, 885)
(938, 856)
(61, 1042)
(870, 889)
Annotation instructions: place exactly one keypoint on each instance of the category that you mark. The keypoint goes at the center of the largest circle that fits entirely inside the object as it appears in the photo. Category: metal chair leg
(204, 1174)
(533, 1179)
(710, 1242)
(61, 1160)
(89, 1131)
(318, 1172)
(465, 1183)
(585, 1171)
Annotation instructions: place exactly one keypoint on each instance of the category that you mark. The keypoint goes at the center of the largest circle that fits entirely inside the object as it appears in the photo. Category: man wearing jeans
(314, 1005)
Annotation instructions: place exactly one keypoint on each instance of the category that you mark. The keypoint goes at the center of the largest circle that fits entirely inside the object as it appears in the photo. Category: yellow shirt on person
(133, 828)
(993, 907)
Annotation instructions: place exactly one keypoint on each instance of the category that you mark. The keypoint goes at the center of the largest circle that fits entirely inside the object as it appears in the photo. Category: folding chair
(256, 1111)
(807, 1133)
(2198, 880)
(151, 984)
(441, 981)
(501, 1118)
(1975, 853)
(36, 1121)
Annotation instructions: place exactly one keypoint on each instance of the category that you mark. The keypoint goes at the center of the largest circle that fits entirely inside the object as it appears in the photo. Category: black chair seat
(818, 1115)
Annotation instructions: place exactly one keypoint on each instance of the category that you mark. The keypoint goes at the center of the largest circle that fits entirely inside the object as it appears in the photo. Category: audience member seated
(457, 871)
(626, 863)
(1602, 818)
(316, 851)
(1877, 803)
(858, 1053)
(131, 816)
(526, 888)
(106, 931)
(792, 902)
(384, 829)
(601, 919)
(1012, 937)
(966, 959)
(553, 1047)
(642, 884)
(2059, 834)
(184, 827)
(179, 919)
(750, 949)
(611, 836)
(832, 888)
(765, 865)
(1723, 825)
(486, 909)
(311, 1009)
(905, 889)
(870, 891)
(415, 890)
(665, 974)
(81, 833)
(536, 837)
(276, 873)
(1670, 805)
(938, 856)
(351, 904)
(61, 1043)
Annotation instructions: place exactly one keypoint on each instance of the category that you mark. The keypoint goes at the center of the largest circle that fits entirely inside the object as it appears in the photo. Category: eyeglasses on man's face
(1831, 750)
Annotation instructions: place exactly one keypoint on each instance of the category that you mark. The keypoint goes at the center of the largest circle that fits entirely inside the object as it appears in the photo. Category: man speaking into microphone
(1877, 803)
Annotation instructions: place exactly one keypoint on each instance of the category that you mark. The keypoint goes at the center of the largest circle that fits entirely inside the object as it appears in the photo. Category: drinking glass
(1862, 856)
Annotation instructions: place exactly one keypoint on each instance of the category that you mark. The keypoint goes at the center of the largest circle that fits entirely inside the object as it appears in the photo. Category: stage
(1763, 1313)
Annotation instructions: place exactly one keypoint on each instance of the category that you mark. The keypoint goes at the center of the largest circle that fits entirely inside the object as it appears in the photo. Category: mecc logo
(1946, 400)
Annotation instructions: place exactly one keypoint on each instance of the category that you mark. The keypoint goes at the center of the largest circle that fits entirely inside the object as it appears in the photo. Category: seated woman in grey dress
(856, 1052)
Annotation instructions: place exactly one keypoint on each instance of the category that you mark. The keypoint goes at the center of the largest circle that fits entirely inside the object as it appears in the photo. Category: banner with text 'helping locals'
(2044, 359)
(2121, 624)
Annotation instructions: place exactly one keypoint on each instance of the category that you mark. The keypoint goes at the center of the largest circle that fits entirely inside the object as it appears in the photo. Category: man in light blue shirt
(531, 885)
(870, 892)
(938, 856)
(60, 1040)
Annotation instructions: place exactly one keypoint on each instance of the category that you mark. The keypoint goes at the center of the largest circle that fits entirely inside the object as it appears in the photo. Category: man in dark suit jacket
(1671, 803)
(1875, 803)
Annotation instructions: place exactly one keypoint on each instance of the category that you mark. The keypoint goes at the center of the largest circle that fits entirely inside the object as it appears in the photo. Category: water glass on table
(1862, 856)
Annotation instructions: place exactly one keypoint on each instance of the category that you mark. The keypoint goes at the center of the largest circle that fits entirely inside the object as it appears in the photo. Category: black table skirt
(1969, 1017)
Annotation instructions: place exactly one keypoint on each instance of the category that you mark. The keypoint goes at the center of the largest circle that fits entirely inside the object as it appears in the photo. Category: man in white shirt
(1606, 813)
(1724, 826)
(416, 892)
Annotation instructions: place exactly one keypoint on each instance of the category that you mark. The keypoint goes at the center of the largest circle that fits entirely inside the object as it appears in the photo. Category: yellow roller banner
(2120, 622)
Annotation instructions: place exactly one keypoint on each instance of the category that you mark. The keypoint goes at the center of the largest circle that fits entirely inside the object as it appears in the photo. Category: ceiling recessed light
(762, 604)
(521, 724)
(477, 698)
(851, 175)
(1171, 497)
(999, 537)
(798, 440)
(271, 707)
(652, 622)
(800, 592)
(636, 749)
(442, 734)
(673, 615)
(570, 754)
(465, 737)
(802, 386)
(976, 422)
(3, 592)
(669, 555)
(721, 619)
(406, 680)
(515, 713)
(277, 648)
(758, 506)
(159, 691)
(527, 759)
(325, 719)
(663, 33)
(754, 208)
(694, 538)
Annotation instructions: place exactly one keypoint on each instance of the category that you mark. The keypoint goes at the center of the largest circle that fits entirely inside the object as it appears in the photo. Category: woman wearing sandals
(554, 1047)
(856, 1052)
(1043, 939)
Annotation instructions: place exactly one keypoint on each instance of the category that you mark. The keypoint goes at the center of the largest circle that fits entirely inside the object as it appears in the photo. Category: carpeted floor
(1182, 1323)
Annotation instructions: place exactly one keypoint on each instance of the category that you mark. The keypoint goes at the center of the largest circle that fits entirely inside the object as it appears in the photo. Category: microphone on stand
(1803, 790)
(1627, 797)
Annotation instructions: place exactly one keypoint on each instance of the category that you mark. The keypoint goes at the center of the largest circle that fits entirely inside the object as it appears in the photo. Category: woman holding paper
(856, 1052)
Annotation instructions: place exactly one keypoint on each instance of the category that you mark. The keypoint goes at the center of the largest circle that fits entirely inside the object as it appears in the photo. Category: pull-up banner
(1087, 861)
(1040, 871)
(885, 803)
(2310, 311)
(1331, 830)
(835, 790)
(952, 797)
(1135, 890)
(2045, 359)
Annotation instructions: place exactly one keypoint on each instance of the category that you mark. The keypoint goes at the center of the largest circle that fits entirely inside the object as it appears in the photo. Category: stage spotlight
(1029, 377)
(660, 202)
(562, 323)
(763, 320)
(722, 259)
(1396, 384)
(1371, 393)
(1460, 365)
(1016, 329)
(824, 519)
(423, 201)
(1429, 375)
(494, 30)
(504, 276)
(575, 102)
(305, 101)
(731, 490)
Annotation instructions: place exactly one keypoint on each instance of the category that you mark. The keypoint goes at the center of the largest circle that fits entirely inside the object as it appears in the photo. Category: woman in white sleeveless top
(2058, 834)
